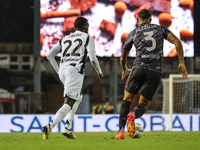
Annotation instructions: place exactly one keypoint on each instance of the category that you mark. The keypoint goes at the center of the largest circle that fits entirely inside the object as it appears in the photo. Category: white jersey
(75, 48)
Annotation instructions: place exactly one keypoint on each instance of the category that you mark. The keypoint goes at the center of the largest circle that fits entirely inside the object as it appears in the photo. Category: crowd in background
(106, 109)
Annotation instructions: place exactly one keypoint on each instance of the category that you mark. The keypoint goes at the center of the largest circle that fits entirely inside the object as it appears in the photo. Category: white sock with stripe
(71, 114)
(60, 115)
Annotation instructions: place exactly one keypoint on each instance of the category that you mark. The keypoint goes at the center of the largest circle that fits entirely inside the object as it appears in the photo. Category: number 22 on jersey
(69, 51)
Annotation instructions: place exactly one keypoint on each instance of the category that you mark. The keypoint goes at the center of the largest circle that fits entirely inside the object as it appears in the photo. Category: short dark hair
(80, 22)
(144, 14)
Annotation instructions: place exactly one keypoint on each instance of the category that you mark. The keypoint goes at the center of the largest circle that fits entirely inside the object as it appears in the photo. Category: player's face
(85, 27)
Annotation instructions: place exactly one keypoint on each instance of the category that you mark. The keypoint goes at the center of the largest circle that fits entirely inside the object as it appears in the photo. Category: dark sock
(124, 110)
(139, 110)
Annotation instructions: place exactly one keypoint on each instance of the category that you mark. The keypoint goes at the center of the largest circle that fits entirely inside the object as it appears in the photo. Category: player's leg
(70, 116)
(59, 116)
(138, 111)
(74, 91)
(147, 92)
(72, 87)
(135, 101)
(124, 110)
(63, 111)
(131, 89)
(142, 106)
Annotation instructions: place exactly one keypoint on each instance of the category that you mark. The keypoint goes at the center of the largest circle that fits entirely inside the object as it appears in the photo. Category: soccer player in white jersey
(74, 48)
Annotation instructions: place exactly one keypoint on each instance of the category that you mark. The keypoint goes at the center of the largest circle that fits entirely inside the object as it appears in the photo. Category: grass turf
(101, 141)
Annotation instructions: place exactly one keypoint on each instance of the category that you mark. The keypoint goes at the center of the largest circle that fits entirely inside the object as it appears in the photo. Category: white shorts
(72, 80)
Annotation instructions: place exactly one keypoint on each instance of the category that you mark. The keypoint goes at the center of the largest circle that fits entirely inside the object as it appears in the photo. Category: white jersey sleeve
(92, 55)
(51, 55)
(90, 46)
(94, 61)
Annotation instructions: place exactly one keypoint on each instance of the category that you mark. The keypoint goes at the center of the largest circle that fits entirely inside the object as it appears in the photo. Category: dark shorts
(143, 81)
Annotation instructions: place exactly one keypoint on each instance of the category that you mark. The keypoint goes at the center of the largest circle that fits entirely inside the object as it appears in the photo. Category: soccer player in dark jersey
(146, 72)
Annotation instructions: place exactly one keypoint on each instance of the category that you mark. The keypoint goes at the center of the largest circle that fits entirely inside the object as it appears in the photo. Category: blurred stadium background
(28, 83)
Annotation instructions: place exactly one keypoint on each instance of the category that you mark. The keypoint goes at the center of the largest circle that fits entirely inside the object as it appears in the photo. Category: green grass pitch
(101, 141)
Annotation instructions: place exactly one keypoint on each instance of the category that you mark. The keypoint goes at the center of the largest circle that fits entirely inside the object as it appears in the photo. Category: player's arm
(51, 56)
(179, 49)
(125, 51)
(123, 63)
(92, 56)
(95, 63)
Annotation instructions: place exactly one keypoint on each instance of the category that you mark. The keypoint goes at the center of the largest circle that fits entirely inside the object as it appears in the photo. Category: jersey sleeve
(90, 44)
(165, 31)
(94, 61)
(129, 42)
(92, 54)
(52, 53)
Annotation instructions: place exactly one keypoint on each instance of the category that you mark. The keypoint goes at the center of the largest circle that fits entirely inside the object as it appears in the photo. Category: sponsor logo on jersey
(151, 56)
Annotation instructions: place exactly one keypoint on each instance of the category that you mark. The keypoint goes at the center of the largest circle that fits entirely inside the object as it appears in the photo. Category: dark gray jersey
(148, 40)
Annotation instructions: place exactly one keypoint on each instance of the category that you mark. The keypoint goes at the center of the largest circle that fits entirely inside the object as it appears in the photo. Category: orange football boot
(120, 135)
(131, 124)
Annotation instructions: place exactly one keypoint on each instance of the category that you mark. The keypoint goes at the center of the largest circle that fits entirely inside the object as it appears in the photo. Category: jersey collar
(144, 24)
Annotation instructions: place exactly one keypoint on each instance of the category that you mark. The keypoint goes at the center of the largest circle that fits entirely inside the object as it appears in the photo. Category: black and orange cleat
(120, 135)
(131, 124)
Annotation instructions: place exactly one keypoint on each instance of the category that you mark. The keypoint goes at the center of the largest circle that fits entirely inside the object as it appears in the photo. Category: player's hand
(182, 69)
(100, 76)
(125, 73)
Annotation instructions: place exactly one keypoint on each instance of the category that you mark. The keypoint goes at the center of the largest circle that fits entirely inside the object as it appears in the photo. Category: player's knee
(128, 99)
(145, 102)
(69, 101)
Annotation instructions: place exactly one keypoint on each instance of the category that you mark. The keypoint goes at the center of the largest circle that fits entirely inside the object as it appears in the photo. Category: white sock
(71, 114)
(60, 115)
